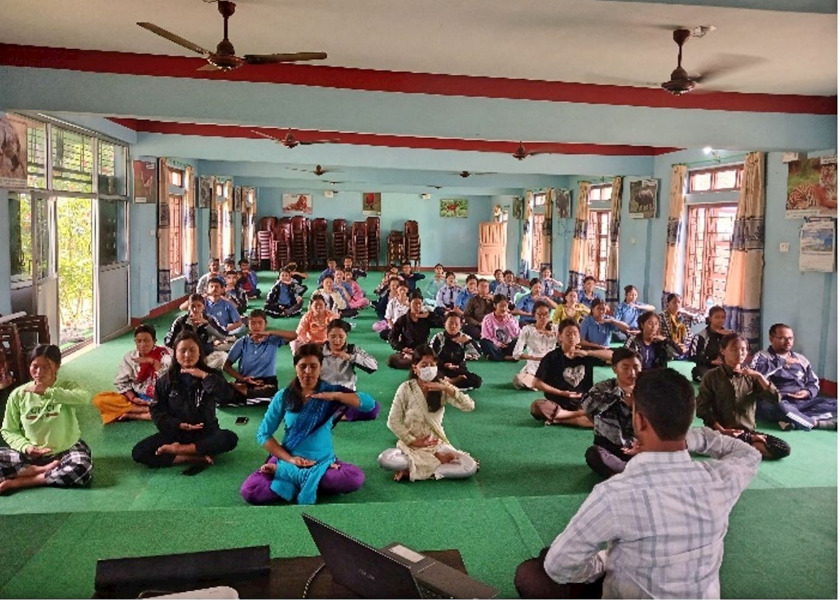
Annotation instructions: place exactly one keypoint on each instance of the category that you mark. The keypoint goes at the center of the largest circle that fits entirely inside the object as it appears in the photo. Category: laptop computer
(395, 571)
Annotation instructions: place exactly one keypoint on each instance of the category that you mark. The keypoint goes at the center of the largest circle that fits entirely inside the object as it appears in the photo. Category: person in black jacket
(654, 348)
(184, 411)
(705, 350)
(409, 331)
(211, 334)
(453, 348)
(286, 297)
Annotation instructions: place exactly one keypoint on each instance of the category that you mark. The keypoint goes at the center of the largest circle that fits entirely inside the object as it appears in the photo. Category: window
(539, 199)
(600, 193)
(708, 242)
(112, 163)
(176, 178)
(36, 155)
(72, 160)
(20, 234)
(176, 245)
(537, 234)
(598, 244)
(718, 179)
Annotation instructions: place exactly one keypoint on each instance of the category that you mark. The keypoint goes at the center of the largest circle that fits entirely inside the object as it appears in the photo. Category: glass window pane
(72, 160)
(111, 169)
(20, 234)
(36, 155)
(701, 182)
(113, 247)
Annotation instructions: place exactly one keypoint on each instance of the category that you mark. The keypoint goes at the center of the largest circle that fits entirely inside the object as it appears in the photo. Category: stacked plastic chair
(396, 247)
(359, 244)
(340, 247)
(373, 239)
(412, 242)
(320, 242)
(264, 250)
(281, 244)
(300, 242)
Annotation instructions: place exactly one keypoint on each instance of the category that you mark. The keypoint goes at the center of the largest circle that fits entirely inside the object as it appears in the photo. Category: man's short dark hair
(471, 277)
(533, 281)
(776, 326)
(666, 399)
(258, 313)
(622, 353)
(589, 278)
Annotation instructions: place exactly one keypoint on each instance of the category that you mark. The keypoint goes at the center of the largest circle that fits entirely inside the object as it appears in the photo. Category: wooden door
(492, 245)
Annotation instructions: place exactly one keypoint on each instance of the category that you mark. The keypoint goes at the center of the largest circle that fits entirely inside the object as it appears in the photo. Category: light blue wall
(452, 242)
(5, 255)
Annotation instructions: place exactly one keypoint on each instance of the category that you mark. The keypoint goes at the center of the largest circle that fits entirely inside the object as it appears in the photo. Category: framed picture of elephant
(643, 198)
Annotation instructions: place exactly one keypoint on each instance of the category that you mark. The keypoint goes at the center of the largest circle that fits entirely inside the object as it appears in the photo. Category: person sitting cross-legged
(416, 418)
(220, 306)
(801, 405)
(410, 330)
(675, 323)
(499, 331)
(339, 368)
(534, 342)
(564, 375)
(334, 299)
(184, 411)
(304, 464)
(255, 377)
(453, 348)
(446, 295)
(210, 332)
(727, 398)
(478, 307)
(609, 404)
(657, 529)
(596, 330)
(630, 310)
(524, 307)
(213, 266)
(285, 299)
(652, 346)
(704, 350)
(42, 430)
(248, 279)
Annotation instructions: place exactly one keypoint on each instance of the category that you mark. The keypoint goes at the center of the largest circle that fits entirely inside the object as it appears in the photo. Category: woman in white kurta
(535, 341)
(416, 418)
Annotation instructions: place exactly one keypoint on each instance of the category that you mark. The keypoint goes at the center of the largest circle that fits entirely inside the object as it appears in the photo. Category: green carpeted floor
(782, 540)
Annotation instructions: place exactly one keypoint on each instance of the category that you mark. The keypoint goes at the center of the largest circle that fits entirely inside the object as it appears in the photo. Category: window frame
(176, 235)
(598, 243)
(708, 255)
(715, 172)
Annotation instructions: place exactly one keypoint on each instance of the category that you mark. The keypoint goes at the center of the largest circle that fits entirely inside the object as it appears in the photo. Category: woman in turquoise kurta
(304, 464)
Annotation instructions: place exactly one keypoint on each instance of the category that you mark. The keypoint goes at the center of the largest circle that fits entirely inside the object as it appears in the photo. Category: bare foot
(268, 469)
(446, 457)
(200, 459)
(32, 470)
(401, 475)
(173, 448)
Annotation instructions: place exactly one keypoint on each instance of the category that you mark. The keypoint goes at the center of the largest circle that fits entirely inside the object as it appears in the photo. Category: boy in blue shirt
(330, 270)
(216, 305)
(256, 375)
(410, 278)
(596, 329)
(465, 294)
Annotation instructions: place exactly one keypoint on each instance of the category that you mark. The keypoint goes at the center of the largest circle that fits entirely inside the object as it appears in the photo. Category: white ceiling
(779, 49)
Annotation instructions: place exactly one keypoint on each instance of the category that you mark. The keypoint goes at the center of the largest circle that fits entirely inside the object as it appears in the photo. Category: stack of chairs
(320, 242)
(412, 242)
(300, 242)
(265, 237)
(396, 247)
(373, 239)
(281, 244)
(359, 244)
(13, 353)
(339, 239)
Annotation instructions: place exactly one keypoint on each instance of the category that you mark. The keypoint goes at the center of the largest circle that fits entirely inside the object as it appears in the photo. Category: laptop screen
(357, 566)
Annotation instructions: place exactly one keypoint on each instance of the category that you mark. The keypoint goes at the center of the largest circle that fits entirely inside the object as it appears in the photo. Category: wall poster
(453, 207)
(145, 182)
(817, 245)
(12, 151)
(205, 192)
(297, 203)
(643, 195)
(371, 204)
(812, 188)
(564, 204)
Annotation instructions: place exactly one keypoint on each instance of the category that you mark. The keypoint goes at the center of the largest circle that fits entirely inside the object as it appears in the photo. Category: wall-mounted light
(425, 196)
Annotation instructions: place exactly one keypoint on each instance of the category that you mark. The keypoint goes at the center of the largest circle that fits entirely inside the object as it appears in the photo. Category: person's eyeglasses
(788, 338)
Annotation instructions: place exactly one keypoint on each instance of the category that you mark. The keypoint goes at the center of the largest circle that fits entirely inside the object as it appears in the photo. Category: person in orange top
(313, 324)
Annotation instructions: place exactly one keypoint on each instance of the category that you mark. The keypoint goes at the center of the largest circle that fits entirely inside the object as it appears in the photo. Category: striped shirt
(656, 530)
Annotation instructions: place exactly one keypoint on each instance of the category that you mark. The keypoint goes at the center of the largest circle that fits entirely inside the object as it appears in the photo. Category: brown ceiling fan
(466, 174)
(290, 141)
(520, 153)
(224, 58)
(318, 170)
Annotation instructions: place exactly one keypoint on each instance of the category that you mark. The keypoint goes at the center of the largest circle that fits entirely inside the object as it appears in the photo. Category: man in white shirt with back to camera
(656, 530)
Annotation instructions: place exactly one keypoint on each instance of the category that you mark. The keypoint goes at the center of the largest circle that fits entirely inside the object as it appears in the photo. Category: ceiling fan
(680, 83)
(318, 170)
(224, 58)
(520, 153)
(466, 174)
(290, 141)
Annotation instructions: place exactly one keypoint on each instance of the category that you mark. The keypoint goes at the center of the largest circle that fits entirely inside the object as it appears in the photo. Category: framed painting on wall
(564, 204)
(237, 199)
(371, 203)
(643, 195)
(453, 207)
(812, 188)
(13, 147)
(297, 203)
(205, 192)
(145, 181)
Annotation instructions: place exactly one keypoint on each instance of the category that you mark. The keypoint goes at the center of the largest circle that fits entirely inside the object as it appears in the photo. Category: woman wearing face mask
(416, 418)
(339, 367)
(705, 349)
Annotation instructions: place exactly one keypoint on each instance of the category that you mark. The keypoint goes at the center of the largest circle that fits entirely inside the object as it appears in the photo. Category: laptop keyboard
(427, 592)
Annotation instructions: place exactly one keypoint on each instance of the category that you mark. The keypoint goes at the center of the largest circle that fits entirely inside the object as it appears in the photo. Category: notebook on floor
(395, 571)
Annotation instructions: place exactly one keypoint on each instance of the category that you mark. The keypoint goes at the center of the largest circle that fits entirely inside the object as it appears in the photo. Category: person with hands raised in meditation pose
(416, 418)
(42, 431)
(563, 376)
(453, 349)
(705, 350)
(184, 411)
(727, 399)
(650, 344)
(304, 463)
(339, 368)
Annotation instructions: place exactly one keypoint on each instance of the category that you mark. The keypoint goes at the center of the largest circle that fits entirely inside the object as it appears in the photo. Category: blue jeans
(801, 413)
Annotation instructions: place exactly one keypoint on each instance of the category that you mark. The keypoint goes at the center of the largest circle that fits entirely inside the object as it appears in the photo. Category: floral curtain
(190, 236)
(164, 287)
(548, 224)
(215, 211)
(580, 255)
(228, 235)
(249, 225)
(746, 262)
(525, 246)
(612, 296)
(675, 216)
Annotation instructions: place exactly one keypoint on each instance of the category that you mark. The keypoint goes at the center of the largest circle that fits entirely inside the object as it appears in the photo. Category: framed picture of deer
(453, 207)
(301, 203)
(643, 198)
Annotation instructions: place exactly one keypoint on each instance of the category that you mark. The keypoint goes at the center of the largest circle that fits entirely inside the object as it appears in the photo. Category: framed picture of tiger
(812, 188)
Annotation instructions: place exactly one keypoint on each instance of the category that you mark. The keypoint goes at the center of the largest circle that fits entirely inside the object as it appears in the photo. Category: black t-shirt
(567, 374)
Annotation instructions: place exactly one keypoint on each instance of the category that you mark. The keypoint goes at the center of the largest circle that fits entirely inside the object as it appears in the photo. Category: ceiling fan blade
(267, 59)
(727, 64)
(208, 67)
(265, 135)
(309, 143)
(174, 38)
